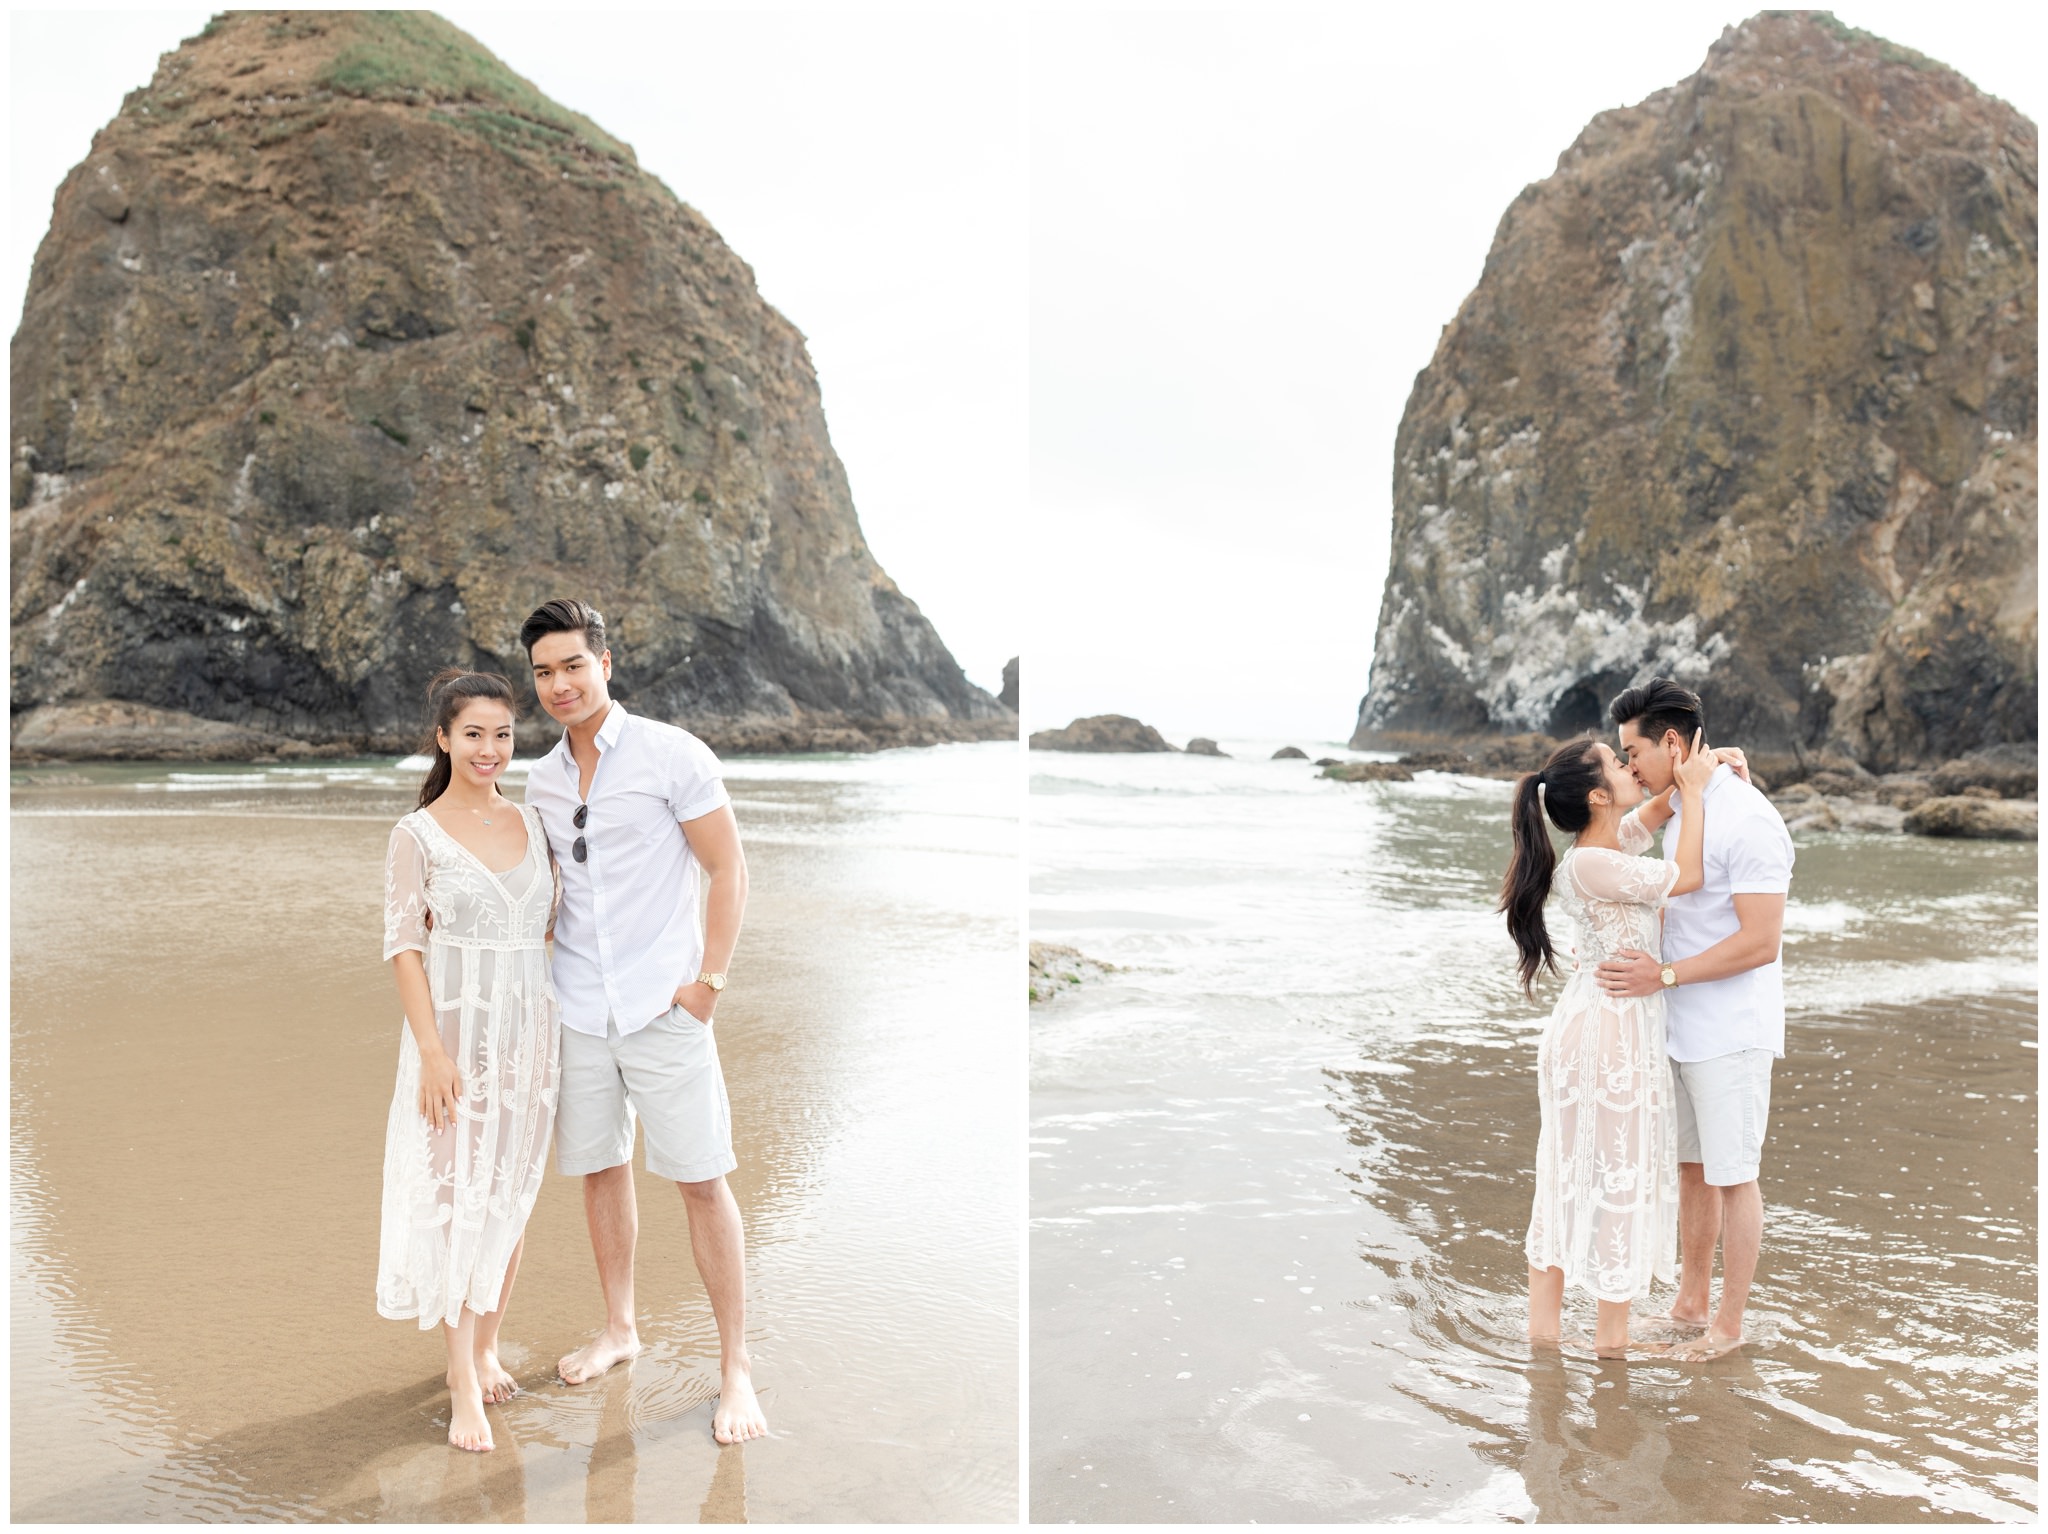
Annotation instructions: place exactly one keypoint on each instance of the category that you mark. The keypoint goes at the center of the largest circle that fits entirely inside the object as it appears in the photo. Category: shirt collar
(607, 734)
(1723, 773)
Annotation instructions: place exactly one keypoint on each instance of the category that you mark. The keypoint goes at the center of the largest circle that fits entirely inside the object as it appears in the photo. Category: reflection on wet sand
(202, 1056)
(1893, 1306)
(1282, 1172)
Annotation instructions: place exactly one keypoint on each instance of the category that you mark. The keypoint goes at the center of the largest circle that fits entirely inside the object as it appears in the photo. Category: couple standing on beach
(503, 1051)
(1654, 1072)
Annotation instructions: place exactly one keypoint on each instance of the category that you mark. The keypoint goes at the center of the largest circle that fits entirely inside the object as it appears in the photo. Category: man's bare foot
(498, 1386)
(468, 1428)
(599, 1354)
(1698, 1322)
(738, 1416)
(1712, 1345)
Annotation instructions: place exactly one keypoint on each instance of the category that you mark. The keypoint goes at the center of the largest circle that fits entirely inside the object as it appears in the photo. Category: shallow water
(204, 1043)
(1281, 1175)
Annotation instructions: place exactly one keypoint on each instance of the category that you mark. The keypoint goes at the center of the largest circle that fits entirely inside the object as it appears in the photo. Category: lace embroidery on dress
(456, 1201)
(1606, 1205)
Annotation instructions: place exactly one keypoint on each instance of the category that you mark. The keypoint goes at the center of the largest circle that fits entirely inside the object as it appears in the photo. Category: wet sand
(1282, 1174)
(203, 1050)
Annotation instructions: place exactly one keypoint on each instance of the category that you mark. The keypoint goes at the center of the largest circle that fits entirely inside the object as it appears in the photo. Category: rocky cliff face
(1746, 396)
(345, 349)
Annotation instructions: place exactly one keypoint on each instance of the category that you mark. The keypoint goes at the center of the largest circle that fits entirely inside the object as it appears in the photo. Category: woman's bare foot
(738, 1416)
(468, 1427)
(597, 1355)
(1635, 1347)
(497, 1385)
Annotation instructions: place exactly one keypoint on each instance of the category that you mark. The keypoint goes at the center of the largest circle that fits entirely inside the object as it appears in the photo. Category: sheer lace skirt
(1606, 1205)
(456, 1201)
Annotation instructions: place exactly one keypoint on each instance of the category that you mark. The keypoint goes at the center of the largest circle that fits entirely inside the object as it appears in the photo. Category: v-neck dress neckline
(492, 874)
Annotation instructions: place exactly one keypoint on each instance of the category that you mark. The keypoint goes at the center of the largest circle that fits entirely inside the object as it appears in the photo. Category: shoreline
(112, 732)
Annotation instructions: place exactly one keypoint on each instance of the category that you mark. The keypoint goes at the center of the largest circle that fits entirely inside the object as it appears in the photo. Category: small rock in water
(1202, 745)
(1811, 814)
(1368, 772)
(1101, 732)
(1438, 761)
(1055, 967)
(1982, 819)
(1289, 754)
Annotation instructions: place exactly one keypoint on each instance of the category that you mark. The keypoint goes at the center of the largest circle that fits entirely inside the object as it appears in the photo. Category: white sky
(869, 167)
(1247, 230)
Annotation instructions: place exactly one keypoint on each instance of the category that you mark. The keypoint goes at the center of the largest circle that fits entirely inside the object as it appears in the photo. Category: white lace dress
(1606, 1207)
(456, 1200)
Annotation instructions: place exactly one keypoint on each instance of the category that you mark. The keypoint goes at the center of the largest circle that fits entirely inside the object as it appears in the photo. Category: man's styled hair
(564, 615)
(1658, 705)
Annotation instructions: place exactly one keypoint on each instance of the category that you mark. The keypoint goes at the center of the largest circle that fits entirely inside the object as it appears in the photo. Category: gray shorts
(1724, 1107)
(666, 1075)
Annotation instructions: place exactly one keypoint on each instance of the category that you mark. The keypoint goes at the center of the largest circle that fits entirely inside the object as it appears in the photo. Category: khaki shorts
(665, 1075)
(1724, 1107)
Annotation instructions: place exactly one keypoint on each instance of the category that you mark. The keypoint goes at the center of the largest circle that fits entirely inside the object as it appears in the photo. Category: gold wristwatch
(1669, 976)
(717, 982)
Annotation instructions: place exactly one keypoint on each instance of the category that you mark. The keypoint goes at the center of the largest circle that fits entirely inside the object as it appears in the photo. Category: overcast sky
(869, 167)
(1247, 231)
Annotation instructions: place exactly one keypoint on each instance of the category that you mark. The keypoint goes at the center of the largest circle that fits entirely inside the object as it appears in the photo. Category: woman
(1606, 1210)
(469, 892)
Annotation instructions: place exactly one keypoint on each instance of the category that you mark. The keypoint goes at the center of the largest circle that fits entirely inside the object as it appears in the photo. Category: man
(632, 809)
(1724, 1000)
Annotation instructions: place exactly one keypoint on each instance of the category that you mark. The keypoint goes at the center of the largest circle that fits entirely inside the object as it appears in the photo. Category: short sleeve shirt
(1747, 851)
(627, 934)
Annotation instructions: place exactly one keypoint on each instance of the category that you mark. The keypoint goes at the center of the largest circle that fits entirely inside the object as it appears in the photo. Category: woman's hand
(440, 1089)
(1732, 758)
(1692, 773)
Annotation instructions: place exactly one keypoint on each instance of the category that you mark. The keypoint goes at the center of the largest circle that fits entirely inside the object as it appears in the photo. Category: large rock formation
(1745, 396)
(345, 349)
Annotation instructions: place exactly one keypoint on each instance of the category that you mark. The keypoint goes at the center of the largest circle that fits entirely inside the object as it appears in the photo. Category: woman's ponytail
(1527, 885)
(1562, 794)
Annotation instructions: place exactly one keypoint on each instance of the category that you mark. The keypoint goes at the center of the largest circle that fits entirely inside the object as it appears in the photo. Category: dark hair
(1563, 790)
(1658, 705)
(564, 615)
(447, 696)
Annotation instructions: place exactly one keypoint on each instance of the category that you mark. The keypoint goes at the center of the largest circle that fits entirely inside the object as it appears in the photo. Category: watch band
(716, 982)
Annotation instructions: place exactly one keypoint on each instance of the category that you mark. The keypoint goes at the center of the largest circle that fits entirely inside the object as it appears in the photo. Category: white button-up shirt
(1746, 851)
(627, 932)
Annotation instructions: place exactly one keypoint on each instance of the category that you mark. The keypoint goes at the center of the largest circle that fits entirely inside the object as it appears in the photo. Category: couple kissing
(1654, 1070)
